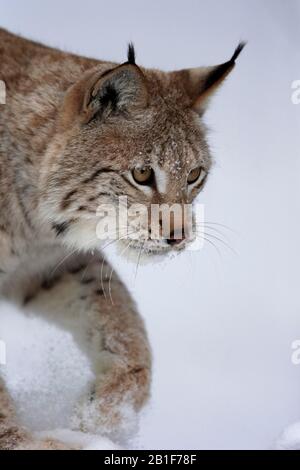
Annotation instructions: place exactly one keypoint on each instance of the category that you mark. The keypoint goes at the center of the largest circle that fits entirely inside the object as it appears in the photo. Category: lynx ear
(120, 89)
(201, 83)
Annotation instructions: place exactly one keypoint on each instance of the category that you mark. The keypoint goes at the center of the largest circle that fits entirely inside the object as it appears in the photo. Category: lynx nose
(176, 232)
(176, 238)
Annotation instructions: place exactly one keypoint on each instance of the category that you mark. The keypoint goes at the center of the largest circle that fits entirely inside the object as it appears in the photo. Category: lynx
(77, 133)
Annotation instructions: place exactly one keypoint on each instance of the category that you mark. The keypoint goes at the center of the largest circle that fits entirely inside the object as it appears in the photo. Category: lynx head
(124, 130)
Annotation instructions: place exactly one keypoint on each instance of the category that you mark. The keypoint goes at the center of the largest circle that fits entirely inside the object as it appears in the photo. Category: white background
(221, 326)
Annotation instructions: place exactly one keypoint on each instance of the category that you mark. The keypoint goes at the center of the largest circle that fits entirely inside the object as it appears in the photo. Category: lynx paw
(15, 438)
(112, 409)
(45, 444)
(115, 420)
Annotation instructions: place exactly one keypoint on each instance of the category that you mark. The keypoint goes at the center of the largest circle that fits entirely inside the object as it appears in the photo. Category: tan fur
(63, 151)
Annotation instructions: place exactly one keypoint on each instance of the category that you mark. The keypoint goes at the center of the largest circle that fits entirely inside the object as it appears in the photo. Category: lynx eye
(143, 175)
(194, 175)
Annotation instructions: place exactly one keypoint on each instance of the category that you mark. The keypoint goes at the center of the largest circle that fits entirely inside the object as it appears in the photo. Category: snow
(221, 326)
(290, 438)
(46, 373)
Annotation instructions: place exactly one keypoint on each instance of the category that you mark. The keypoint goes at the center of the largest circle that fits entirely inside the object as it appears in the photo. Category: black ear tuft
(238, 51)
(213, 78)
(131, 54)
(220, 71)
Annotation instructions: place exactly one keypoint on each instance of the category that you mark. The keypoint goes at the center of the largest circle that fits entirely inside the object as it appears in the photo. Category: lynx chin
(75, 134)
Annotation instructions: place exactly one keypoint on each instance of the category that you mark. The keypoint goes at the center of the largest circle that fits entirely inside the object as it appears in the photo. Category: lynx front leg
(113, 336)
(122, 367)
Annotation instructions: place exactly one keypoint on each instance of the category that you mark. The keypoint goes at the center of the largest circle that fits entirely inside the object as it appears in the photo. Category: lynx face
(129, 132)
